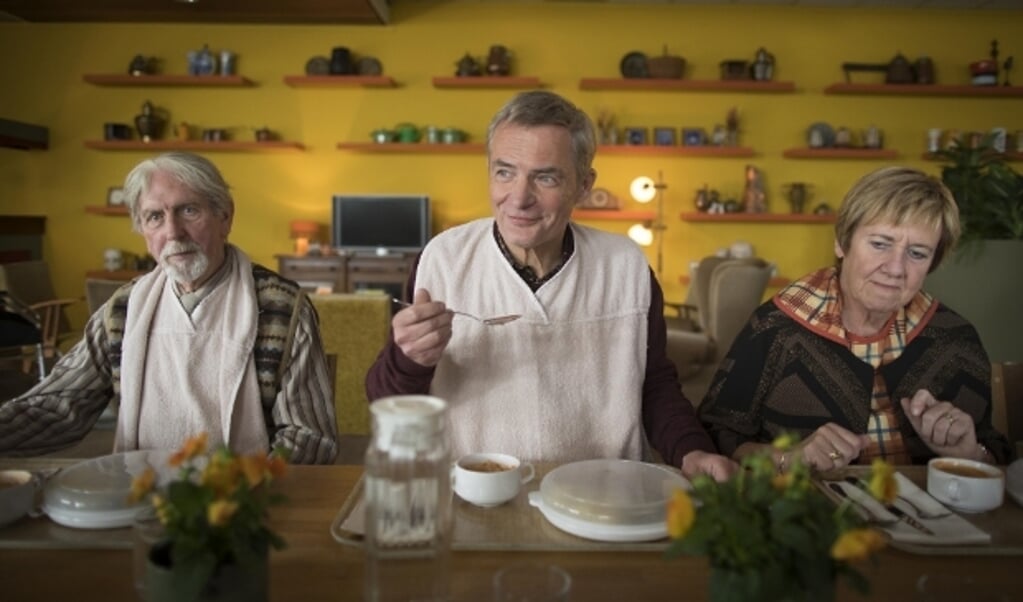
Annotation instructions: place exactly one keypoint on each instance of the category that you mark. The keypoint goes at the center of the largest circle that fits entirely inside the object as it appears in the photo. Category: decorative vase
(229, 583)
(149, 123)
(727, 585)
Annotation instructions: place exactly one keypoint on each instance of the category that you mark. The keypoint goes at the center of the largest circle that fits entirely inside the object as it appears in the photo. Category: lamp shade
(301, 228)
(643, 189)
(641, 235)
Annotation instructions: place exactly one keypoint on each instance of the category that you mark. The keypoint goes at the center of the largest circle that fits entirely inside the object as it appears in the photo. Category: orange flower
(192, 448)
(883, 485)
(142, 484)
(857, 544)
(219, 512)
(278, 466)
(255, 468)
(681, 514)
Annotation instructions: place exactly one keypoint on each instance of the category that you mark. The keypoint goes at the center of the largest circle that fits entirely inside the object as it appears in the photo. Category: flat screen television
(380, 224)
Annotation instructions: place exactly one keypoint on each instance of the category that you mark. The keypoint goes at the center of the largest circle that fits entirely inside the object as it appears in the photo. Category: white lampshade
(643, 189)
(641, 235)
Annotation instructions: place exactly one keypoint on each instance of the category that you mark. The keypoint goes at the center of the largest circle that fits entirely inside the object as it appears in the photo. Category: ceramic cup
(17, 495)
(965, 485)
(488, 479)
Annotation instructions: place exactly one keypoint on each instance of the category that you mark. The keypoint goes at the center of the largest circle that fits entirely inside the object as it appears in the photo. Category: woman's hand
(831, 447)
(944, 428)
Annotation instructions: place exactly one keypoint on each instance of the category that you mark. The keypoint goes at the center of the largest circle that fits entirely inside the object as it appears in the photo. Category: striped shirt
(59, 411)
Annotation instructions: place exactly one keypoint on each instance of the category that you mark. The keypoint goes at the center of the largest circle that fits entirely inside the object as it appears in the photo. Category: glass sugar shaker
(407, 500)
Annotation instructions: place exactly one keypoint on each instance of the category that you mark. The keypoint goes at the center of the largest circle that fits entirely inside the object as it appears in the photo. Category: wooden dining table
(40, 561)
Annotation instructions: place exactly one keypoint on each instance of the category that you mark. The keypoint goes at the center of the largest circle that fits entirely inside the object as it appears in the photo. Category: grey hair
(539, 108)
(197, 173)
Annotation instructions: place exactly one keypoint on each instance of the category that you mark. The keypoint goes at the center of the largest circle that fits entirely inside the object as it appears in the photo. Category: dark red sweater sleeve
(669, 419)
(393, 373)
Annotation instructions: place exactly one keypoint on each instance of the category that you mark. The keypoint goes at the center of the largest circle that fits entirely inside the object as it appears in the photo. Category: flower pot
(771, 585)
(229, 583)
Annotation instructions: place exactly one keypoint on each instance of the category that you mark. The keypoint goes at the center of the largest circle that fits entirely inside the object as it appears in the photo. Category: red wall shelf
(192, 145)
(924, 90)
(340, 81)
(653, 150)
(118, 79)
(412, 147)
(614, 215)
(684, 85)
(777, 218)
(840, 153)
(487, 81)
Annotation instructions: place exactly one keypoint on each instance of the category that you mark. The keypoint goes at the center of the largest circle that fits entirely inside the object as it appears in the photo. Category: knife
(899, 512)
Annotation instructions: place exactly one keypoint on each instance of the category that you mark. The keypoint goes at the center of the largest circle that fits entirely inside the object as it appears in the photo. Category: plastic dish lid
(93, 494)
(609, 500)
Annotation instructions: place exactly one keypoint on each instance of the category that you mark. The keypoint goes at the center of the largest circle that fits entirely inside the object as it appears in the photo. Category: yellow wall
(41, 68)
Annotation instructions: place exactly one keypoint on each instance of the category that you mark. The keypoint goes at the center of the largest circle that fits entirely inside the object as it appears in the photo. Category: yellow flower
(192, 448)
(221, 475)
(142, 484)
(220, 512)
(857, 544)
(783, 481)
(883, 485)
(163, 509)
(783, 442)
(680, 514)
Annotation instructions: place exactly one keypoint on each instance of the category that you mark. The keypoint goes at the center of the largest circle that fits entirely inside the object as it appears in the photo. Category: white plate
(597, 531)
(608, 499)
(1014, 481)
(93, 494)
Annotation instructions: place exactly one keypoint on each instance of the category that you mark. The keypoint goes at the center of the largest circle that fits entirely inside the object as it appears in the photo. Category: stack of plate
(93, 494)
(609, 500)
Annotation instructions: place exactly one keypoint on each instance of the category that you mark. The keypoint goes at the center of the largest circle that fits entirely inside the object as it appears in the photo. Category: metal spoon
(495, 321)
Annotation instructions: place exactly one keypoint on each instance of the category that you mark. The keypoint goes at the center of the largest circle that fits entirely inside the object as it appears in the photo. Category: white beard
(192, 270)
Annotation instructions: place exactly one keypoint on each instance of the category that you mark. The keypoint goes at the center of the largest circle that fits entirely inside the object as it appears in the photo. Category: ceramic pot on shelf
(149, 123)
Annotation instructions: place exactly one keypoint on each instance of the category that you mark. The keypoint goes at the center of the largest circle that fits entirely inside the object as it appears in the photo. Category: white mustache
(175, 247)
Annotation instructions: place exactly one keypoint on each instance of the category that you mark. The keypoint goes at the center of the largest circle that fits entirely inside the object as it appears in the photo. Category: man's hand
(944, 428)
(423, 329)
(715, 466)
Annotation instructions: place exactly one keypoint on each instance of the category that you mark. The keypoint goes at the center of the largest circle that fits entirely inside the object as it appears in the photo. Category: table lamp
(302, 231)
(644, 189)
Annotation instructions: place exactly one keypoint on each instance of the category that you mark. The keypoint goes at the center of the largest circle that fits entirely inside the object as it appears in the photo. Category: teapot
(467, 66)
(406, 132)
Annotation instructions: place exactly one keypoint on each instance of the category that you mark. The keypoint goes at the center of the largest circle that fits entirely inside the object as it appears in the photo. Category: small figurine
(732, 126)
(754, 198)
(467, 67)
(140, 65)
(498, 61)
(763, 67)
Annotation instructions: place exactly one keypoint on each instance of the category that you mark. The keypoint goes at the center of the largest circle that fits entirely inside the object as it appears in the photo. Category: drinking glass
(532, 583)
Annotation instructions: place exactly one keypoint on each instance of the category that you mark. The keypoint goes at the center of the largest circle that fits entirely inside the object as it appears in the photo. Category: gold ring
(834, 455)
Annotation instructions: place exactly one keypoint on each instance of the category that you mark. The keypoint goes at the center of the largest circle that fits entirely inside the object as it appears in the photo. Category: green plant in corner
(988, 191)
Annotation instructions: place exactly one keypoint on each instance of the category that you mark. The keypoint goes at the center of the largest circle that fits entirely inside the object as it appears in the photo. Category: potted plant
(774, 536)
(977, 280)
(214, 512)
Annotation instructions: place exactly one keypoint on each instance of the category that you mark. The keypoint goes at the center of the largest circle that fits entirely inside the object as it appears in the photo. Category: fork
(919, 511)
(494, 321)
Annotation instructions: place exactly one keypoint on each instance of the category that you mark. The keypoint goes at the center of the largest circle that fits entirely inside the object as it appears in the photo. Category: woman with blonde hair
(856, 359)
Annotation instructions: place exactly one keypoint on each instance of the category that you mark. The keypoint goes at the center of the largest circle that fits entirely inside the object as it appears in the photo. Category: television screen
(380, 223)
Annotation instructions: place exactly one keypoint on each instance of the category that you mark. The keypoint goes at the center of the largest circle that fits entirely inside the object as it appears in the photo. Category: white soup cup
(965, 485)
(490, 479)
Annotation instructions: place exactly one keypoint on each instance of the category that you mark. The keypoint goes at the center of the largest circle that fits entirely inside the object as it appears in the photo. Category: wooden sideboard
(348, 273)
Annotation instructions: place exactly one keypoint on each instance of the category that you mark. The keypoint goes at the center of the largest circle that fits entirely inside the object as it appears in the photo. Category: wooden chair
(1007, 401)
(29, 282)
(98, 290)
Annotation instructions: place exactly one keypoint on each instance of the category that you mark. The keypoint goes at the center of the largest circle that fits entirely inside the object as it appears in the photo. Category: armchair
(727, 291)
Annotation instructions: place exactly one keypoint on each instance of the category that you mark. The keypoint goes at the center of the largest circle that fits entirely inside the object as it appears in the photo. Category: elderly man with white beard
(207, 342)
